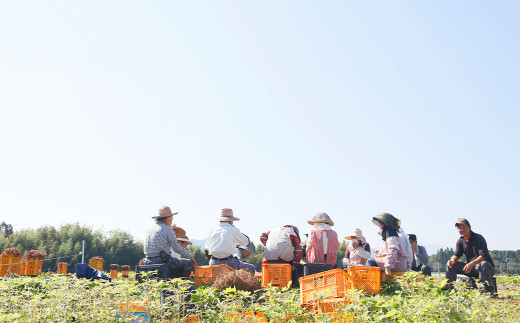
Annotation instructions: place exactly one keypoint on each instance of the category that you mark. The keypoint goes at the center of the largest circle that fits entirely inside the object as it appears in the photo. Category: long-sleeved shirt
(224, 239)
(420, 257)
(322, 242)
(393, 255)
(161, 237)
(407, 246)
(357, 256)
(283, 243)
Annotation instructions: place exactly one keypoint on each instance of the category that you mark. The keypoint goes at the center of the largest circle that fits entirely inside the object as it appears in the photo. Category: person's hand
(194, 261)
(468, 267)
(388, 271)
(450, 263)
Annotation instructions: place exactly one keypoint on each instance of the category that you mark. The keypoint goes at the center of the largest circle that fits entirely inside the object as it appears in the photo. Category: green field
(66, 299)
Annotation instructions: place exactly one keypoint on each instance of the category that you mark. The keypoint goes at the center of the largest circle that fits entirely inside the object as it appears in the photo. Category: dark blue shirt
(476, 246)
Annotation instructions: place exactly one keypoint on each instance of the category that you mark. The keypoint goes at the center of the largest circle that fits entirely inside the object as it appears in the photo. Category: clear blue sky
(109, 110)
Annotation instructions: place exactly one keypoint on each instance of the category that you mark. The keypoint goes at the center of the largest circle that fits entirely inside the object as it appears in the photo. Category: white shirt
(407, 247)
(222, 242)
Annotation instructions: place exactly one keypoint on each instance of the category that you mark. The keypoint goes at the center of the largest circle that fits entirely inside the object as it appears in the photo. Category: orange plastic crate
(22, 267)
(33, 267)
(366, 278)
(62, 268)
(278, 275)
(191, 319)
(335, 317)
(98, 264)
(114, 273)
(205, 275)
(134, 306)
(3, 270)
(247, 317)
(328, 305)
(328, 284)
(4, 259)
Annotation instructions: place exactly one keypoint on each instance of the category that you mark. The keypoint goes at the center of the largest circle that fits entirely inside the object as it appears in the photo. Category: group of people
(226, 244)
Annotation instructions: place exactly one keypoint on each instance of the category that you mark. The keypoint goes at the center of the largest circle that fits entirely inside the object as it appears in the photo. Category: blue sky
(109, 110)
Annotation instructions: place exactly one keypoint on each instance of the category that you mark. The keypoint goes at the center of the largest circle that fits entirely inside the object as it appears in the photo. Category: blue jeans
(234, 263)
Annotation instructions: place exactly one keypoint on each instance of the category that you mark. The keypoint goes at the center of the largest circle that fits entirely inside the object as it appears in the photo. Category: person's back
(279, 245)
(222, 242)
(323, 244)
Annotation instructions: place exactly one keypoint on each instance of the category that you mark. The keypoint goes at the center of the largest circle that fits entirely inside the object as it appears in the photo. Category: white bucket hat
(321, 217)
(185, 238)
(227, 215)
(356, 234)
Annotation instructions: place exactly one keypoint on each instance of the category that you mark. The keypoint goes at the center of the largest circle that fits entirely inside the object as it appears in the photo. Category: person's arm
(473, 263)
(393, 248)
(263, 237)
(482, 251)
(363, 253)
(422, 255)
(298, 252)
(458, 253)
(240, 238)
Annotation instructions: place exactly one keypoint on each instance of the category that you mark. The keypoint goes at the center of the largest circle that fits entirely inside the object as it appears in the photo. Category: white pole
(83, 252)
(507, 266)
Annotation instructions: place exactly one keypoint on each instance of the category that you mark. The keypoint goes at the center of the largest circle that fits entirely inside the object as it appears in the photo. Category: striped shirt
(161, 237)
(315, 246)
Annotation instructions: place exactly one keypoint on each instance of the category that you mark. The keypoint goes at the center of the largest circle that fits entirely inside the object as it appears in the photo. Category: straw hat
(227, 215)
(179, 232)
(164, 212)
(185, 238)
(321, 217)
(356, 234)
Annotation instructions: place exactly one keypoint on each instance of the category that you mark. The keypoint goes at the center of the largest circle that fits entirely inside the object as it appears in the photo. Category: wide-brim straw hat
(321, 217)
(185, 238)
(164, 212)
(179, 232)
(356, 234)
(227, 215)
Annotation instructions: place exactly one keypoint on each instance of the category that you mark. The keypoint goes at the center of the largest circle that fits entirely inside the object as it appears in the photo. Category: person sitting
(322, 244)
(184, 241)
(392, 254)
(283, 245)
(474, 247)
(420, 257)
(222, 241)
(160, 238)
(406, 245)
(358, 250)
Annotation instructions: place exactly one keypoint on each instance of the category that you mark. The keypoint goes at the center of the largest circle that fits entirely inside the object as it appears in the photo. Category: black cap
(412, 237)
(462, 220)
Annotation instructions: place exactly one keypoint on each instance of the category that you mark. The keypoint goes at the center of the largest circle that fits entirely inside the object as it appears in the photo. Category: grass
(66, 299)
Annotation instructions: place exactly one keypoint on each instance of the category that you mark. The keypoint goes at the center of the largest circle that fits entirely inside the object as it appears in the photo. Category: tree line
(63, 244)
